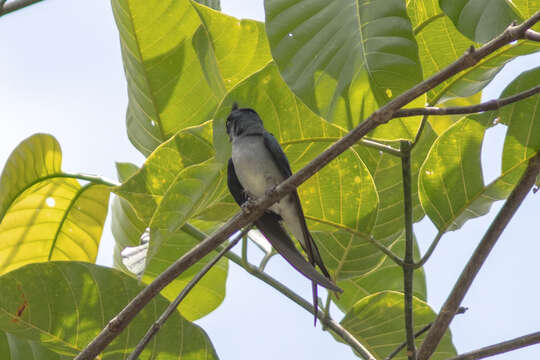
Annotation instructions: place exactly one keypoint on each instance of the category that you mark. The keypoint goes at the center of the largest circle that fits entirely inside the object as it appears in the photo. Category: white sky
(61, 73)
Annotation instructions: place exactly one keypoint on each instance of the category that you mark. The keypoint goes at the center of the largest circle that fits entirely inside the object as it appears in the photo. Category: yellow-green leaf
(64, 305)
(47, 215)
(377, 321)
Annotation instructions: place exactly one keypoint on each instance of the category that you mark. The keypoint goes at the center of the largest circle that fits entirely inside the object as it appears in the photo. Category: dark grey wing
(236, 189)
(270, 226)
(284, 167)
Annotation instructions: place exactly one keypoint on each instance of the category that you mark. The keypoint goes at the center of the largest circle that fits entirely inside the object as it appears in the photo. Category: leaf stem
(408, 270)
(478, 258)
(156, 326)
(430, 250)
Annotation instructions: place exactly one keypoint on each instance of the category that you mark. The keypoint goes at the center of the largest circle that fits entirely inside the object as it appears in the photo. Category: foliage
(313, 72)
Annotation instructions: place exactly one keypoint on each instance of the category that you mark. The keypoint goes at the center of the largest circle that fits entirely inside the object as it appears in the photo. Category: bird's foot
(248, 205)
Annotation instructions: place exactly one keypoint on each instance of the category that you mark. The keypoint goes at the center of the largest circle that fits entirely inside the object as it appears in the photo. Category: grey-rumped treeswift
(257, 165)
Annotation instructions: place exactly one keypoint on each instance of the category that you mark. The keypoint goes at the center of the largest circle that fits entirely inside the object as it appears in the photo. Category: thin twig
(485, 106)
(505, 346)
(16, 5)
(478, 257)
(417, 334)
(243, 218)
(430, 250)
(532, 35)
(408, 270)
(156, 326)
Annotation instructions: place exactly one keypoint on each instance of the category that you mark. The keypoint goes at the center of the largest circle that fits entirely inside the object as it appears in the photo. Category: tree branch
(509, 345)
(408, 270)
(156, 326)
(532, 35)
(476, 261)
(241, 219)
(486, 106)
(16, 5)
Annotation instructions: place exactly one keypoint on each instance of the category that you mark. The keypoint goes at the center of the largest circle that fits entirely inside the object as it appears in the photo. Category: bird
(257, 165)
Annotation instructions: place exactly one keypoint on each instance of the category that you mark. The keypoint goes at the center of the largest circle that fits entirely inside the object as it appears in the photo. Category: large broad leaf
(388, 276)
(14, 348)
(377, 321)
(451, 183)
(175, 79)
(440, 44)
(45, 215)
(346, 58)
(64, 305)
(214, 4)
(480, 20)
(523, 137)
(386, 171)
(340, 201)
(179, 181)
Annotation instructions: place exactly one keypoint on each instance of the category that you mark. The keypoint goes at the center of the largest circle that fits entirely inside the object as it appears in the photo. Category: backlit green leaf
(14, 348)
(346, 58)
(46, 215)
(480, 20)
(523, 118)
(451, 183)
(178, 64)
(387, 276)
(64, 305)
(377, 321)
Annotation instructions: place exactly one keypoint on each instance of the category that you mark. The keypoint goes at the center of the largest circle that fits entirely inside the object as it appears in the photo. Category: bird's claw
(248, 205)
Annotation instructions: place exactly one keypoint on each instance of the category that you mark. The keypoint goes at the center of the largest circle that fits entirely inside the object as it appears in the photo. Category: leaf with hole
(46, 214)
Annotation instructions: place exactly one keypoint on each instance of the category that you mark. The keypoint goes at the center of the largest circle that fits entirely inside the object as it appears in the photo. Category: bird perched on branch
(257, 165)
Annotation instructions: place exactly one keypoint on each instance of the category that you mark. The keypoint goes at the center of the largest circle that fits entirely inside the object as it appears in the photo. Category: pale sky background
(61, 73)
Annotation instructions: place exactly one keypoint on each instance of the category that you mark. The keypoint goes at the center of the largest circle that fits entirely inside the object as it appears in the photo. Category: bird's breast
(254, 166)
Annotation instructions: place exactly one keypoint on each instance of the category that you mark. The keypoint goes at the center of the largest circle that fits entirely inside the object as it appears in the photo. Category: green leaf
(45, 214)
(387, 175)
(340, 201)
(346, 58)
(210, 290)
(13, 348)
(480, 20)
(147, 187)
(451, 183)
(387, 276)
(214, 4)
(440, 44)
(68, 303)
(175, 77)
(523, 118)
(377, 321)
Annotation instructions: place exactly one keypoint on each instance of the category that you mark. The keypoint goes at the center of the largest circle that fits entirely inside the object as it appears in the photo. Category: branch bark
(16, 5)
(505, 346)
(408, 270)
(476, 261)
(486, 106)
(241, 219)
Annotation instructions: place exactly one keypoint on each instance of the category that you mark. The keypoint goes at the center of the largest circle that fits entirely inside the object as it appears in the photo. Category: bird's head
(243, 121)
